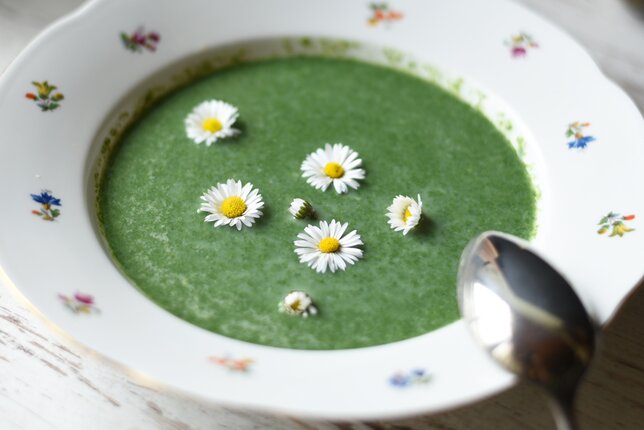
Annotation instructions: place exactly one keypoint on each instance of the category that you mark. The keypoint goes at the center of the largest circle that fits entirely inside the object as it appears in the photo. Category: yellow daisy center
(329, 245)
(233, 207)
(212, 125)
(407, 214)
(295, 306)
(334, 170)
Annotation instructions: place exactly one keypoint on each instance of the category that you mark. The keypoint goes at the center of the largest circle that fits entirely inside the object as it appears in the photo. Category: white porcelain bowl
(528, 77)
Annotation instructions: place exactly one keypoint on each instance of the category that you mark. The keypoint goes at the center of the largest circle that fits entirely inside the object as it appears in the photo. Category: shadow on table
(637, 6)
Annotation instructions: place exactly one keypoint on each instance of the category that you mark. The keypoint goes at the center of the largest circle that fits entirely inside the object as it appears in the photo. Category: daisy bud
(298, 303)
(300, 208)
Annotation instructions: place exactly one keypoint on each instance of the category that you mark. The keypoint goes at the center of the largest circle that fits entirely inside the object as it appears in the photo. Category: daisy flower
(211, 120)
(404, 213)
(335, 164)
(231, 204)
(326, 247)
(298, 303)
(300, 208)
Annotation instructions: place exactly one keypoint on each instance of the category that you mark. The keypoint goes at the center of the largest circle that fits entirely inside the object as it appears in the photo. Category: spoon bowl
(526, 315)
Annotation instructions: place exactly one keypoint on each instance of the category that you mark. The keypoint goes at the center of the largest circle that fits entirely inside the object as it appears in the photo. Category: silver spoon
(527, 317)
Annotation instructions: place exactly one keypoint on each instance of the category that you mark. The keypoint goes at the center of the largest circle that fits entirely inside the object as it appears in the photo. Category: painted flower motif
(140, 40)
(298, 303)
(404, 213)
(576, 131)
(46, 97)
(407, 379)
(300, 208)
(520, 43)
(211, 120)
(335, 164)
(616, 223)
(231, 204)
(327, 247)
(79, 303)
(233, 364)
(380, 13)
(47, 212)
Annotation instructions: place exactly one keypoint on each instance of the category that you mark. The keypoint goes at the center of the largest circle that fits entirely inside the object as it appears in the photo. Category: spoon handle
(563, 413)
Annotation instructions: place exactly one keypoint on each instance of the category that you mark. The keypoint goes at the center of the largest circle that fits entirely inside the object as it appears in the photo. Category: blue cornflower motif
(418, 372)
(415, 376)
(399, 380)
(45, 198)
(581, 143)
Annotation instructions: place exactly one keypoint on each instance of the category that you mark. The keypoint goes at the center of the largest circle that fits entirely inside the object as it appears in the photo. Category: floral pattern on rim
(616, 222)
(380, 13)
(140, 39)
(46, 97)
(416, 376)
(79, 303)
(233, 364)
(46, 199)
(576, 131)
(520, 43)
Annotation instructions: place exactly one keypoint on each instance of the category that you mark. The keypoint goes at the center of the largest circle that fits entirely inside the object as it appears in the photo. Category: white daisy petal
(324, 183)
(351, 158)
(340, 263)
(211, 120)
(339, 231)
(348, 259)
(314, 232)
(351, 241)
(334, 164)
(332, 229)
(328, 151)
(304, 244)
(331, 263)
(325, 248)
(246, 191)
(215, 195)
(307, 238)
(320, 263)
(228, 204)
(309, 258)
(324, 228)
(355, 174)
(404, 213)
(354, 252)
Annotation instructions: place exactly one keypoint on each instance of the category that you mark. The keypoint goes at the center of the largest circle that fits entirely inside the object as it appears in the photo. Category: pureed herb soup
(413, 139)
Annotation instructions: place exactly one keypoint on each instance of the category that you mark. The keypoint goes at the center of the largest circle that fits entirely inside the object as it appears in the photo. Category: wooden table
(49, 383)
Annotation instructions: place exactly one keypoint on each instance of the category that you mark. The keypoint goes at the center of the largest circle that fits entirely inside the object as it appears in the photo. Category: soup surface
(413, 137)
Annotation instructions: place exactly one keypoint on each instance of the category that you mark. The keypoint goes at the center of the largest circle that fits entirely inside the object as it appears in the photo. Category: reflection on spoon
(526, 316)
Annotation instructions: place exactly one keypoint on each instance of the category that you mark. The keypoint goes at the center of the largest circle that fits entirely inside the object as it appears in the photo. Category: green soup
(413, 137)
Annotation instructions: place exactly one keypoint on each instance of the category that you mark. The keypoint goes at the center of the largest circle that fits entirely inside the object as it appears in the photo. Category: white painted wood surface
(48, 382)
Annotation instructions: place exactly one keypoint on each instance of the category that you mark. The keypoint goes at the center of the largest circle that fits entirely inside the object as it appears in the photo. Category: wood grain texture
(49, 383)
